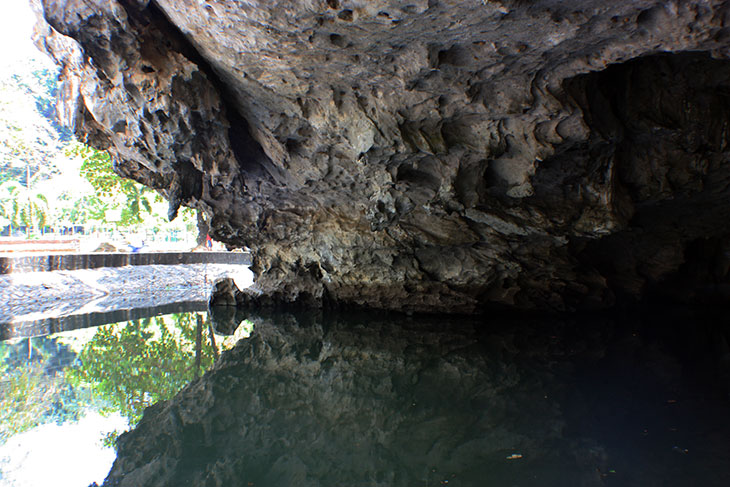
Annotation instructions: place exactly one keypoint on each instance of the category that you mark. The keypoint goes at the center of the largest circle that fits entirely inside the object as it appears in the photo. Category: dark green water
(314, 399)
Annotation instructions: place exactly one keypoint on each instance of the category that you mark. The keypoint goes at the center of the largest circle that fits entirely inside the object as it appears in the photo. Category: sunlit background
(53, 187)
(49, 435)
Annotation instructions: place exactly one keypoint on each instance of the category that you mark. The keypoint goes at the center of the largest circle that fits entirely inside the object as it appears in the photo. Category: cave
(389, 159)
(485, 234)
(658, 139)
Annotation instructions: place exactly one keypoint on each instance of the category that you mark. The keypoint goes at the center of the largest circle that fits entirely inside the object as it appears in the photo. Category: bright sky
(16, 27)
(67, 455)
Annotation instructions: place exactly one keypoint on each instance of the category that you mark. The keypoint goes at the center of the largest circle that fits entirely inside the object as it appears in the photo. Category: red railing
(42, 245)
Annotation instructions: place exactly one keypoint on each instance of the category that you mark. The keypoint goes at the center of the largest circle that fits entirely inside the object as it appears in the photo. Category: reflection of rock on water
(222, 310)
(226, 319)
(348, 403)
(311, 400)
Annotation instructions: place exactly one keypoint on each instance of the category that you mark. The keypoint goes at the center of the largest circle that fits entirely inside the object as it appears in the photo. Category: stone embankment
(32, 296)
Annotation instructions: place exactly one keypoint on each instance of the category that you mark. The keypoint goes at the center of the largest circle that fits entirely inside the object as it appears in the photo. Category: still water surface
(66, 396)
(313, 399)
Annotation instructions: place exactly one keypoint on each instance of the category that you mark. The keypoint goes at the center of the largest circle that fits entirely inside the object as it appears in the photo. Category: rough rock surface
(428, 155)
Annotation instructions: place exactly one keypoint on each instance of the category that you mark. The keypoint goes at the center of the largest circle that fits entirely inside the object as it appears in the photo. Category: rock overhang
(426, 155)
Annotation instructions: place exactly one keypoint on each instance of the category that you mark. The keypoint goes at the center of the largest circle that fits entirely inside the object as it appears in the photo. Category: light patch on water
(69, 454)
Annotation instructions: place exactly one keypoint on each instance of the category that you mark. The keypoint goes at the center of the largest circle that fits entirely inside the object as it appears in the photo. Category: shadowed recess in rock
(660, 127)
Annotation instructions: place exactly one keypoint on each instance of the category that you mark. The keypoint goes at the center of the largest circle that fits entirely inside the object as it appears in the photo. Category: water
(313, 399)
(68, 394)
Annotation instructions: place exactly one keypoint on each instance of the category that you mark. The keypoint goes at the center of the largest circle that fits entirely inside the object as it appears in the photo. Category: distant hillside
(30, 135)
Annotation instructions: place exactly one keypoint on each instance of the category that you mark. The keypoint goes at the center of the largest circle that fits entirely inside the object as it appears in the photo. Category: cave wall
(426, 155)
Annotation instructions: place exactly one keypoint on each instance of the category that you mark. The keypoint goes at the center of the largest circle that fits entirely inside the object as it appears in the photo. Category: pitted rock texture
(426, 155)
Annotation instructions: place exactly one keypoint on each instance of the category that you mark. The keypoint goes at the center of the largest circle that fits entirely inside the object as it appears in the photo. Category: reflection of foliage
(134, 366)
(24, 397)
(33, 391)
(110, 439)
(124, 367)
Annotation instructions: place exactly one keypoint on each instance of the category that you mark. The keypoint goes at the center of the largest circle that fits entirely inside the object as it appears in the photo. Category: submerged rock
(426, 155)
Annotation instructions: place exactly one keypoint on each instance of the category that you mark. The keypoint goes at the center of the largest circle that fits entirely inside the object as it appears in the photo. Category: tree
(21, 205)
(72, 208)
(113, 191)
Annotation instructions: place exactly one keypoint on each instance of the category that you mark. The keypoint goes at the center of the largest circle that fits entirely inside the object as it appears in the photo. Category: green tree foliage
(79, 209)
(112, 190)
(22, 206)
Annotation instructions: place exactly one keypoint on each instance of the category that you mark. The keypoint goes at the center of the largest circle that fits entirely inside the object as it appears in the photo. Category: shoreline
(35, 296)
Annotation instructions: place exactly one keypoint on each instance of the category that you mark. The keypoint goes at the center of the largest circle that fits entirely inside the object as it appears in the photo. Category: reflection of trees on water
(132, 367)
(33, 387)
(124, 367)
